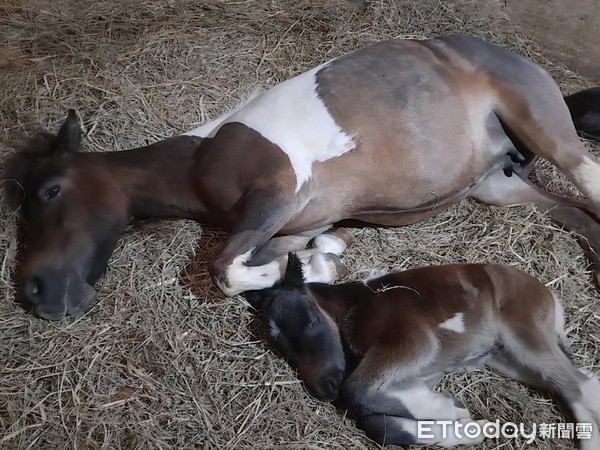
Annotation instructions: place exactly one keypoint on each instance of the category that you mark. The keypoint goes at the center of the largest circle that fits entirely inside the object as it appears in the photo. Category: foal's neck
(158, 179)
(336, 300)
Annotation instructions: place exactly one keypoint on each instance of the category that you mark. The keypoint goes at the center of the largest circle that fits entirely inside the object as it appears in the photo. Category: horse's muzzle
(54, 294)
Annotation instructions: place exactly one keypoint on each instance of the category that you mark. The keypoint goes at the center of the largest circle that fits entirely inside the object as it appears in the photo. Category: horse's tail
(585, 111)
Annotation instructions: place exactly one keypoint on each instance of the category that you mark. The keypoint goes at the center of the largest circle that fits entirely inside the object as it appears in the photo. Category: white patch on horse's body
(242, 278)
(587, 174)
(209, 129)
(292, 116)
(456, 323)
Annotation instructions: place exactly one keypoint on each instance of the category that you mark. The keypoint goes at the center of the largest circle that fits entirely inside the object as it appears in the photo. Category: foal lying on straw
(380, 345)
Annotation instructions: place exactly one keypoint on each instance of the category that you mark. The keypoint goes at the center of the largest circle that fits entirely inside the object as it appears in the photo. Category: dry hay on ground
(163, 361)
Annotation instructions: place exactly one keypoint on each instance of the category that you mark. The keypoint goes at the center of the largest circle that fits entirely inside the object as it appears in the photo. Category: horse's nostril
(33, 289)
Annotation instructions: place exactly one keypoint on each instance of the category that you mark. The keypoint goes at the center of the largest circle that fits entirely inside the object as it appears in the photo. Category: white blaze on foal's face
(456, 323)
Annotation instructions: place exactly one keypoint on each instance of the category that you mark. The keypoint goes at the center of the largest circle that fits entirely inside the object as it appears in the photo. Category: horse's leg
(500, 190)
(536, 113)
(323, 240)
(279, 246)
(265, 213)
(321, 263)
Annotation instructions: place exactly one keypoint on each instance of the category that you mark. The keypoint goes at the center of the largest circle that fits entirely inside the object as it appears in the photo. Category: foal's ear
(257, 299)
(294, 277)
(68, 139)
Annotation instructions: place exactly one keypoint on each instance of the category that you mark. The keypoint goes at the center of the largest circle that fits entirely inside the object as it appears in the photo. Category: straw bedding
(163, 361)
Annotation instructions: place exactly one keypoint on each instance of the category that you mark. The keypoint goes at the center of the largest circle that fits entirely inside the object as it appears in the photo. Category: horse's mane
(15, 169)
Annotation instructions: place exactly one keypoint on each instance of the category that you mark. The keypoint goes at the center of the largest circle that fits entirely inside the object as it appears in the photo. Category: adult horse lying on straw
(382, 344)
(389, 135)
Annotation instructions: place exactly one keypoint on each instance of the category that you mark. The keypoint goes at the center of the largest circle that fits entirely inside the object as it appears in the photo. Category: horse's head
(73, 213)
(305, 334)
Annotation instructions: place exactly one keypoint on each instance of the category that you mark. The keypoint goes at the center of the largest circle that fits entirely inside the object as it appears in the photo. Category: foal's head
(299, 328)
(72, 212)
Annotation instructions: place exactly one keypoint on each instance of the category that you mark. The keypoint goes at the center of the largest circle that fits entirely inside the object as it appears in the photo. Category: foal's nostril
(33, 290)
(332, 385)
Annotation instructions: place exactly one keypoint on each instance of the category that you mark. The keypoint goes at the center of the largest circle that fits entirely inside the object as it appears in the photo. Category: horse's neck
(159, 178)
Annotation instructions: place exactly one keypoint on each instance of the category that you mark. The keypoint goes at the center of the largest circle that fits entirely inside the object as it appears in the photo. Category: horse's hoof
(338, 268)
(343, 233)
(334, 241)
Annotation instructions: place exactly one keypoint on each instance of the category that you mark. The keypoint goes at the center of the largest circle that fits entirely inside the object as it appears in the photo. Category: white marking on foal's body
(423, 403)
(292, 116)
(456, 323)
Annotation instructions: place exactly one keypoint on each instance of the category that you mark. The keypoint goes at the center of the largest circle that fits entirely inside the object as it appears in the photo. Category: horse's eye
(52, 192)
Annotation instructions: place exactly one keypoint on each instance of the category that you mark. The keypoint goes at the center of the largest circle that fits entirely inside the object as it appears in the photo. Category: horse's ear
(294, 276)
(68, 139)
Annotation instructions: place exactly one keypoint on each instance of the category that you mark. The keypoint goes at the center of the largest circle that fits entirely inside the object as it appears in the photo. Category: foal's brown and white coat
(382, 344)
(389, 135)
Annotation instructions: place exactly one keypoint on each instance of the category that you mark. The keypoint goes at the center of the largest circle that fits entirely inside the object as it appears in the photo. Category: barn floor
(163, 361)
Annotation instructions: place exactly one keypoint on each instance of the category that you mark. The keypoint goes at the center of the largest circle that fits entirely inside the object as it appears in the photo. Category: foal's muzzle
(326, 387)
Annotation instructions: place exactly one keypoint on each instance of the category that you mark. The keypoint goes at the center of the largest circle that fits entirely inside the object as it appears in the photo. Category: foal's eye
(52, 192)
(313, 324)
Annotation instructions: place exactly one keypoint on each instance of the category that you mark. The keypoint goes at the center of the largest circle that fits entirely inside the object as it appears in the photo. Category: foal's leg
(393, 430)
(404, 413)
(500, 190)
(551, 371)
(389, 383)
(534, 357)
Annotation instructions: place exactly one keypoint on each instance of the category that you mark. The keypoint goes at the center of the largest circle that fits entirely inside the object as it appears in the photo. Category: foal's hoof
(334, 241)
